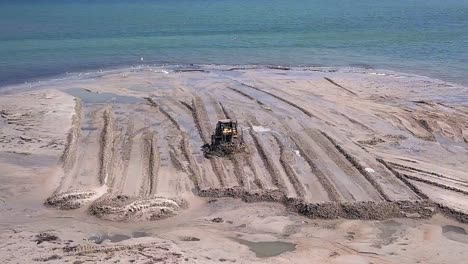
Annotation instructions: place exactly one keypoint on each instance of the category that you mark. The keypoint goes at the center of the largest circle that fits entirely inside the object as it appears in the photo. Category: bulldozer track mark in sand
(244, 158)
(125, 154)
(220, 114)
(289, 170)
(184, 146)
(300, 108)
(354, 121)
(188, 106)
(200, 117)
(400, 166)
(237, 162)
(440, 185)
(151, 151)
(68, 157)
(163, 111)
(358, 166)
(269, 165)
(247, 96)
(194, 173)
(404, 180)
(225, 112)
(257, 181)
(354, 184)
(106, 140)
(340, 86)
(199, 123)
(192, 169)
(326, 183)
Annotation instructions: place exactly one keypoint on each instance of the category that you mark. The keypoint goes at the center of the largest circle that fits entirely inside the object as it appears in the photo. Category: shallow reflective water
(114, 238)
(455, 233)
(96, 98)
(268, 248)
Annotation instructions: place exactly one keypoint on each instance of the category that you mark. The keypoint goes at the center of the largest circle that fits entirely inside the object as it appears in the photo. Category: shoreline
(85, 74)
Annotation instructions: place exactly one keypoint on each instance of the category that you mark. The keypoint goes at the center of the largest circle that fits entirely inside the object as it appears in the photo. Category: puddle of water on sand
(455, 233)
(267, 249)
(92, 97)
(137, 234)
(141, 88)
(99, 238)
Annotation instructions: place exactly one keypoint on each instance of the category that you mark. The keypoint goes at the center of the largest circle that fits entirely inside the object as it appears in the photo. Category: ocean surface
(52, 37)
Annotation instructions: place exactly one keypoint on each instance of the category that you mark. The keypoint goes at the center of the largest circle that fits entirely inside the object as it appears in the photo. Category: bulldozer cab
(225, 132)
(226, 139)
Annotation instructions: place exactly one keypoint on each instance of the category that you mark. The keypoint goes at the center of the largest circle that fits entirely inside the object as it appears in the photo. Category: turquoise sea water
(51, 37)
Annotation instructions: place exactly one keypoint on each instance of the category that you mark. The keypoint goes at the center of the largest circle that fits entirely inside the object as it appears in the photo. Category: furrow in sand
(245, 158)
(217, 107)
(152, 153)
(184, 147)
(225, 112)
(246, 95)
(188, 106)
(269, 165)
(122, 149)
(400, 166)
(403, 179)
(300, 108)
(200, 117)
(289, 170)
(358, 166)
(69, 155)
(106, 145)
(347, 178)
(437, 184)
(310, 157)
(164, 112)
(234, 162)
(340, 86)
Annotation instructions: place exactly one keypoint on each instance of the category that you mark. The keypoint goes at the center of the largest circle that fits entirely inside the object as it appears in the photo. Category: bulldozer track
(288, 169)
(358, 166)
(302, 147)
(106, 139)
(300, 108)
(269, 165)
(340, 86)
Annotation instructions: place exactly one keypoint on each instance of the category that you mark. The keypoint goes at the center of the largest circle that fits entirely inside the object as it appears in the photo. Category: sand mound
(124, 208)
(71, 199)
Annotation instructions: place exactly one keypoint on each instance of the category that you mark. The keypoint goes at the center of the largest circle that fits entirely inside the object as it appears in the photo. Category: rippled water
(50, 37)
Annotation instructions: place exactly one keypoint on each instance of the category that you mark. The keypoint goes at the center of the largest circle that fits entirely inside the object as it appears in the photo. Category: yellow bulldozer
(225, 140)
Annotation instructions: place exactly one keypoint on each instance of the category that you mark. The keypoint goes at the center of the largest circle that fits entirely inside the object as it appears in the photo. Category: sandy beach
(341, 165)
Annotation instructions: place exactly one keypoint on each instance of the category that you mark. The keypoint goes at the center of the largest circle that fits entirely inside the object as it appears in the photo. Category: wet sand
(341, 166)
